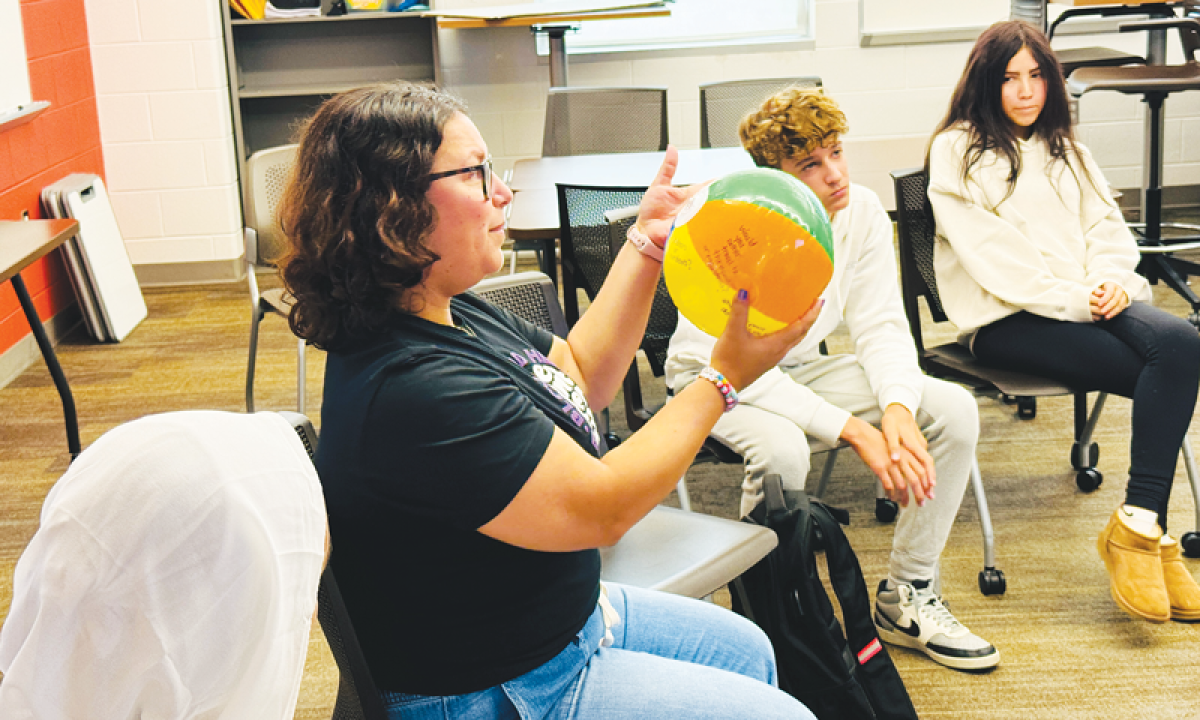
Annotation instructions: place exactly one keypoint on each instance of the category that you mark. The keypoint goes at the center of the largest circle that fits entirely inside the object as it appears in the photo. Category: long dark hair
(977, 107)
(355, 213)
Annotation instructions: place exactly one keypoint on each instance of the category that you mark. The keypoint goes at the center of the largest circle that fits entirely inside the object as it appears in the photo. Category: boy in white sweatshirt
(927, 428)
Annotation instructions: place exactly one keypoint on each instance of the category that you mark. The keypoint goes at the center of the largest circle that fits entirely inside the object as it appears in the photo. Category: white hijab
(174, 575)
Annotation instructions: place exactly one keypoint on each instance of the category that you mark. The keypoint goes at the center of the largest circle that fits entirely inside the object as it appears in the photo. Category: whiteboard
(896, 15)
(14, 74)
(906, 22)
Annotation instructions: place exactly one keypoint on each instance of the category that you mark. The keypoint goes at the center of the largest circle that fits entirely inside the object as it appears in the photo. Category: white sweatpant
(948, 417)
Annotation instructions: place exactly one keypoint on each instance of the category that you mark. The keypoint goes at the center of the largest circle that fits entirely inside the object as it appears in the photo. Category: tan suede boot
(1135, 570)
(1181, 587)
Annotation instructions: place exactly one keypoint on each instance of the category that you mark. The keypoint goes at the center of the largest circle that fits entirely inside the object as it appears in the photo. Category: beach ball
(761, 230)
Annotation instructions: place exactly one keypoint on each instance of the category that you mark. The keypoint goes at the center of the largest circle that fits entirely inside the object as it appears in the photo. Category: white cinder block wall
(163, 99)
(164, 116)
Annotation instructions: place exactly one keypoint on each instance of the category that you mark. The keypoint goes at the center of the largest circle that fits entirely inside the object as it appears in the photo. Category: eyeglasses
(485, 174)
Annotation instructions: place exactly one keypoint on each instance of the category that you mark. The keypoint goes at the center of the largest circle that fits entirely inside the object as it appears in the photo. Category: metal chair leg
(256, 315)
(1085, 453)
(826, 472)
(300, 375)
(685, 502)
(512, 257)
(255, 319)
(991, 580)
(1190, 541)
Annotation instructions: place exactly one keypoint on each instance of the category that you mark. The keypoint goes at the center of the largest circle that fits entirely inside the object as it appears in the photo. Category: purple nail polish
(741, 294)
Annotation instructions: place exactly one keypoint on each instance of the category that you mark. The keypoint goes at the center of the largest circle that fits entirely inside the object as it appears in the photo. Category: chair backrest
(589, 121)
(269, 171)
(916, 235)
(664, 316)
(357, 698)
(1031, 11)
(584, 238)
(1189, 37)
(724, 104)
(663, 319)
(530, 296)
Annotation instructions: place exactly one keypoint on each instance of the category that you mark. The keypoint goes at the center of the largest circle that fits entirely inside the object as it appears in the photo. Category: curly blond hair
(791, 124)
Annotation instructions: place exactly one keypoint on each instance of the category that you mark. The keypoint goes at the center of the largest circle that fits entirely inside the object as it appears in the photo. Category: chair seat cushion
(684, 553)
(956, 360)
(1136, 79)
(276, 300)
(1072, 59)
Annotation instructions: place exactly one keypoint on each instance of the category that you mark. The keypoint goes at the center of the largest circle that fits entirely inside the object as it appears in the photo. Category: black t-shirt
(427, 433)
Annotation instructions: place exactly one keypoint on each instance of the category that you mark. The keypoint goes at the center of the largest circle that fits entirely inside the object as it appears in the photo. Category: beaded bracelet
(714, 376)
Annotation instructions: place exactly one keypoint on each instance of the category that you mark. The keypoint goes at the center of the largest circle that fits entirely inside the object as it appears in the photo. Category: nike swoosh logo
(912, 630)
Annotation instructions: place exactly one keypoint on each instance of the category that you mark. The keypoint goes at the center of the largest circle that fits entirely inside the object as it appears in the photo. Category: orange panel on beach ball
(759, 230)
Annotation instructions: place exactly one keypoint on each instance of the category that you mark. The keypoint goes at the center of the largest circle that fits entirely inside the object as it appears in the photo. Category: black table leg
(60, 380)
(548, 260)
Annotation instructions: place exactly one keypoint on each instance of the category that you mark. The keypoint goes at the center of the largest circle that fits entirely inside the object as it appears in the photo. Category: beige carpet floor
(1068, 652)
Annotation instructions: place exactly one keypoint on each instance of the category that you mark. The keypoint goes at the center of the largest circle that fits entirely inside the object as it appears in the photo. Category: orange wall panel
(62, 140)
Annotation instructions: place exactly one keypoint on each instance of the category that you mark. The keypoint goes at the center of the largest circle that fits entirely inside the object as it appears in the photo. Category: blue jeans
(671, 657)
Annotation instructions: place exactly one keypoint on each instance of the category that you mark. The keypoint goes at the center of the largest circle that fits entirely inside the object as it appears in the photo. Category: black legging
(1144, 353)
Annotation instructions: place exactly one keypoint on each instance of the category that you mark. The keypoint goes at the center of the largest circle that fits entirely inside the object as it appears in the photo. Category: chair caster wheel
(1190, 543)
(1194, 319)
(1081, 462)
(1026, 408)
(612, 439)
(885, 510)
(992, 582)
(1008, 399)
(1088, 479)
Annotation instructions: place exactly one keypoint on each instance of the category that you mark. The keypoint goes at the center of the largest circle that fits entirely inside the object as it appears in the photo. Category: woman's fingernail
(742, 295)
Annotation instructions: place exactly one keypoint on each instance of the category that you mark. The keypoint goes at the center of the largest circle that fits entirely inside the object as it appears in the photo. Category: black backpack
(783, 594)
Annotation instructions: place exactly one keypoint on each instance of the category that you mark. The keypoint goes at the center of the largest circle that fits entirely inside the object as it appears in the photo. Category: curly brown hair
(355, 213)
(791, 124)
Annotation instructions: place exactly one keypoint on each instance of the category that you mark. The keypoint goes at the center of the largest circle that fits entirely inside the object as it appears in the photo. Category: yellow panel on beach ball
(759, 230)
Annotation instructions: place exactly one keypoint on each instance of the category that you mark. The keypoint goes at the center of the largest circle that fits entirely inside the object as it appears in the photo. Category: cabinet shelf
(374, 15)
(323, 89)
(281, 69)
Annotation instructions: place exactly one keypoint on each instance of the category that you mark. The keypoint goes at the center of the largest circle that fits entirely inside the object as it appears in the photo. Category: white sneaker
(912, 615)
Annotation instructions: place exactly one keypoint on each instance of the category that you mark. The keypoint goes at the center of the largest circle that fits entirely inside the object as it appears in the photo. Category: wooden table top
(547, 13)
(534, 215)
(535, 206)
(455, 23)
(23, 242)
(1085, 3)
(626, 169)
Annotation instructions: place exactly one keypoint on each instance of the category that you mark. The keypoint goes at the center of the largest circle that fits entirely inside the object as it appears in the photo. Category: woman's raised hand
(662, 201)
(742, 356)
(739, 355)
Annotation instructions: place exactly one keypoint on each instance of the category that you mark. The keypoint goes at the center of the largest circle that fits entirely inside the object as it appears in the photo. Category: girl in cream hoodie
(1037, 268)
